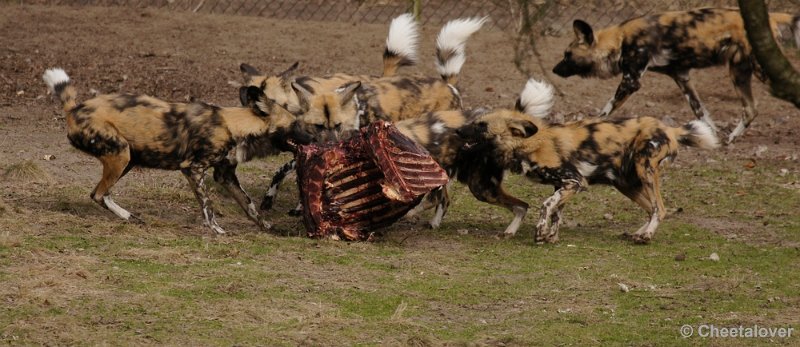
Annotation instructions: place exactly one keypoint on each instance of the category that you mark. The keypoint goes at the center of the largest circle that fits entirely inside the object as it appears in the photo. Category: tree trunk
(784, 80)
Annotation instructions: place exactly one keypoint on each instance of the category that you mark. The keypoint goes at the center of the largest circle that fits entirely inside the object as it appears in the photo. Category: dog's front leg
(225, 175)
(634, 64)
(196, 177)
(550, 216)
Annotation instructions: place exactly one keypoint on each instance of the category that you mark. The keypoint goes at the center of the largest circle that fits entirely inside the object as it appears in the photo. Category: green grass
(69, 265)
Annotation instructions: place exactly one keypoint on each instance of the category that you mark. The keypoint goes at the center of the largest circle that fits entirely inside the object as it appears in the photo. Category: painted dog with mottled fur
(474, 166)
(125, 131)
(625, 153)
(671, 43)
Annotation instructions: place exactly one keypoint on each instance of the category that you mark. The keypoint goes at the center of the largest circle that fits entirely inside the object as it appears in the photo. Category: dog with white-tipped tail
(628, 154)
(124, 131)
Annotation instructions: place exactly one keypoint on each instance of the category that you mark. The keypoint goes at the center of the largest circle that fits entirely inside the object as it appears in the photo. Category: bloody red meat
(350, 188)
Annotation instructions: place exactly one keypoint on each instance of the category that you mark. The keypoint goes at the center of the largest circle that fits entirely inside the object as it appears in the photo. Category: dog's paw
(504, 235)
(266, 204)
(135, 220)
(638, 239)
(264, 225)
(217, 230)
(295, 212)
(542, 239)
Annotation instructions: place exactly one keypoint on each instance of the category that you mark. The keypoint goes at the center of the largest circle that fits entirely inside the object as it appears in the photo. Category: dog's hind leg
(648, 196)
(280, 175)
(196, 177)
(742, 74)
(683, 81)
(297, 210)
(114, 166)
(225, 175)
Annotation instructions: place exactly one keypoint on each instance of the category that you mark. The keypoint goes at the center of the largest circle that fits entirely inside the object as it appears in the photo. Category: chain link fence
(554, 17)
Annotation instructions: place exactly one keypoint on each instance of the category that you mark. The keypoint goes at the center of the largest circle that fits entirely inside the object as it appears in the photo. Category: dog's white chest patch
(437, 127)
(662, 58)
(585, 169)
(238, 154)
(610, 175)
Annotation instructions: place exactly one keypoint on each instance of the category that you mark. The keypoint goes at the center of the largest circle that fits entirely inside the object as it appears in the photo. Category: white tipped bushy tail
(59, 84)
(403, 37)
(451, 46)
(699, 134)
(536, 99)
(54, 77)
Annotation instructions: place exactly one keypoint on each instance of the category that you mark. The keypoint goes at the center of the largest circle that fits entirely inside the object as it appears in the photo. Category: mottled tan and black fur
(671, 43)
(125, 131)
(625, 153)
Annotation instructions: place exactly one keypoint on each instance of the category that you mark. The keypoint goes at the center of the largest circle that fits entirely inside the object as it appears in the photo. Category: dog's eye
(320, 126)
(567, 55)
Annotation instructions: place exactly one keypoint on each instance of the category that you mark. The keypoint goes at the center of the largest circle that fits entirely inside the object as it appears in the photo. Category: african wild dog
(671, 43)
(474, 166)
(625, 153)
(400, 50)
(334, 112)
(125, 131)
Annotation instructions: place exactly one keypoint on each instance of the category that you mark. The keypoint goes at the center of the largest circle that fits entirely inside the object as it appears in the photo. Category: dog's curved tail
(60, 85)
(401, 44)
(697, 133)
(451, 46)
(536, 99)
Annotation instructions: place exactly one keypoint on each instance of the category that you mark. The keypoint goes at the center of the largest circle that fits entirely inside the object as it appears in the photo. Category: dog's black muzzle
(565, 68)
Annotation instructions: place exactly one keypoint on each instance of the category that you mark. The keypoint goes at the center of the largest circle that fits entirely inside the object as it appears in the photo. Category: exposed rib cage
(348, 189)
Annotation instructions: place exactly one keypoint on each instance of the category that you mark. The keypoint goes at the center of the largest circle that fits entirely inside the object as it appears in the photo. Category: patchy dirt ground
(72, 274)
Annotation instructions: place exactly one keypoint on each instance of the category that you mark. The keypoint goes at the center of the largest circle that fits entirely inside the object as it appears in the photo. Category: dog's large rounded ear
(347, 91)
(303, 96)
(290, 71)
(248, 70)
(518, 105)
(523, 129)
(583, 32)
(243, 96)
